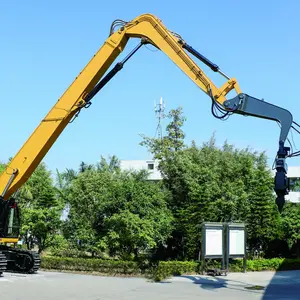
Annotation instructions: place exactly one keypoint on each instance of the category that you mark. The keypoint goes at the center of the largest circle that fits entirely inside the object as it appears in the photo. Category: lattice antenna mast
(160, 114)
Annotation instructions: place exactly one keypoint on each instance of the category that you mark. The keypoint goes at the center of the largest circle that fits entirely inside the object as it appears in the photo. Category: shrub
(90, 265)
(174, 268)
(163, 269)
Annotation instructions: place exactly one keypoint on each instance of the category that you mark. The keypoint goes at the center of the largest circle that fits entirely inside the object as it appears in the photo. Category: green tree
(2, 167)
(120, 212)
(40, 210)
(84, 166)
(291, 227)
(140, 220)
(112, 165)
(263, 217)
(212, 184)
(172, 142)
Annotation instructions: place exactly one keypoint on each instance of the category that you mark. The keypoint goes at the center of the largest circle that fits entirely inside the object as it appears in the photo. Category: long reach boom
(147, 29)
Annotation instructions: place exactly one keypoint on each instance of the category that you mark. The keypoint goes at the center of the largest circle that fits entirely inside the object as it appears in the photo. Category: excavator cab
(12, 258)
(9, 220)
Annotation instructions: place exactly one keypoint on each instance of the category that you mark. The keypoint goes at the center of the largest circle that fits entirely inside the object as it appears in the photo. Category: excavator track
(3, 263)
(20, 260)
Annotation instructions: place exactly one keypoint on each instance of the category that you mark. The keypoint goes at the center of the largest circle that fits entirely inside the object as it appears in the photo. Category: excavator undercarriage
(3, 263)
(13, 259)
(19, 260)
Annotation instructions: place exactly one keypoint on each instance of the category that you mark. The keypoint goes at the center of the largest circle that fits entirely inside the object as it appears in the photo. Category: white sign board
(214, 241)
(236, 241)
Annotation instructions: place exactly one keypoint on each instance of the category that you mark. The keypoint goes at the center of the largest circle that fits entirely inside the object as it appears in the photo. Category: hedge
(90, 265)
(163, 269)
(173, 268)
(167, 269)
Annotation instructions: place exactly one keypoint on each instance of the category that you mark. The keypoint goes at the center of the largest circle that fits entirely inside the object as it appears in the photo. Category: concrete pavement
(66, 286)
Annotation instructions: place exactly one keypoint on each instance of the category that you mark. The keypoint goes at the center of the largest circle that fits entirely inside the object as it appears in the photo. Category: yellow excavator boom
(147, 28)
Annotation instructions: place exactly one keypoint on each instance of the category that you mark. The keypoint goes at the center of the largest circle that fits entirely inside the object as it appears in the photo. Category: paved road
(63, 286)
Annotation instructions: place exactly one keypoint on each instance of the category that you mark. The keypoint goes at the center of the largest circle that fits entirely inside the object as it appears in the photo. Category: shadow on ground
(216, 283)
(213, 283)
(283, 285)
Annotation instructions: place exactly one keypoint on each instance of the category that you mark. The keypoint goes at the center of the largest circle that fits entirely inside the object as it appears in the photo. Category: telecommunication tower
(160, 114)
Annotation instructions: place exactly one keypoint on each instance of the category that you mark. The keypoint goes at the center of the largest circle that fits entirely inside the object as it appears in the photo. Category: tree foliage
(98, 209)
(214, 184)
(291, 226)
(117, 211)
(40, 210)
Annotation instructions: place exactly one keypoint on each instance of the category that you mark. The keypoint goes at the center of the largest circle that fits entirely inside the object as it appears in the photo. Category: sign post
(236, 242)
(213, 245)
(223, 241)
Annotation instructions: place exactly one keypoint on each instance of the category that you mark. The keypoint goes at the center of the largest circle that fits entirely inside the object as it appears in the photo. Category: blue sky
(45, 44)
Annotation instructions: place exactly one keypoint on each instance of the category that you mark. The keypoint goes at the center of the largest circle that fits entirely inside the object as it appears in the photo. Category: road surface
(66, 286)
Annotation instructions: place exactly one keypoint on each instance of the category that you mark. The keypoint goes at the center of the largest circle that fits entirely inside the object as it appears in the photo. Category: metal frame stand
(217, 254)
(226, 252)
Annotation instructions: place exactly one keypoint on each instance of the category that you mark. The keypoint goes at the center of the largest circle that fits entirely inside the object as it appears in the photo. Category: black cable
(296, 129)
(213, 107)
(290, 144)
(115, 24)
(176, 35)
(225, 114)
(286, 138)
(296, 124)
(216, 106)
(297, 153)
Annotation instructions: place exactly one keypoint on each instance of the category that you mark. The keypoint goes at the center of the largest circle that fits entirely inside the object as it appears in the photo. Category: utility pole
(160, 114)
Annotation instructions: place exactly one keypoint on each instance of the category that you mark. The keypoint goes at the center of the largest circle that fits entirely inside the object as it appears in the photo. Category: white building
(137, 165)
(154, 174)
(294, 175)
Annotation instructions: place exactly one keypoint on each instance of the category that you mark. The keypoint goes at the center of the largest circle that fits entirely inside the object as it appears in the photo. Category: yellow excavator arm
(148, 29)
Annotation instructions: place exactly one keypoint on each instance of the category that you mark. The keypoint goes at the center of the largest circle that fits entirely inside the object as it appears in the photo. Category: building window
(150, 166)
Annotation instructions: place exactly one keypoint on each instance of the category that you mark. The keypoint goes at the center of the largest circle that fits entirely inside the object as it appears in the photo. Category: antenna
(159, 111)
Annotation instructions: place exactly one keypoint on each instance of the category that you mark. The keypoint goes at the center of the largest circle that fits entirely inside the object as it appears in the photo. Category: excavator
(147, 29)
